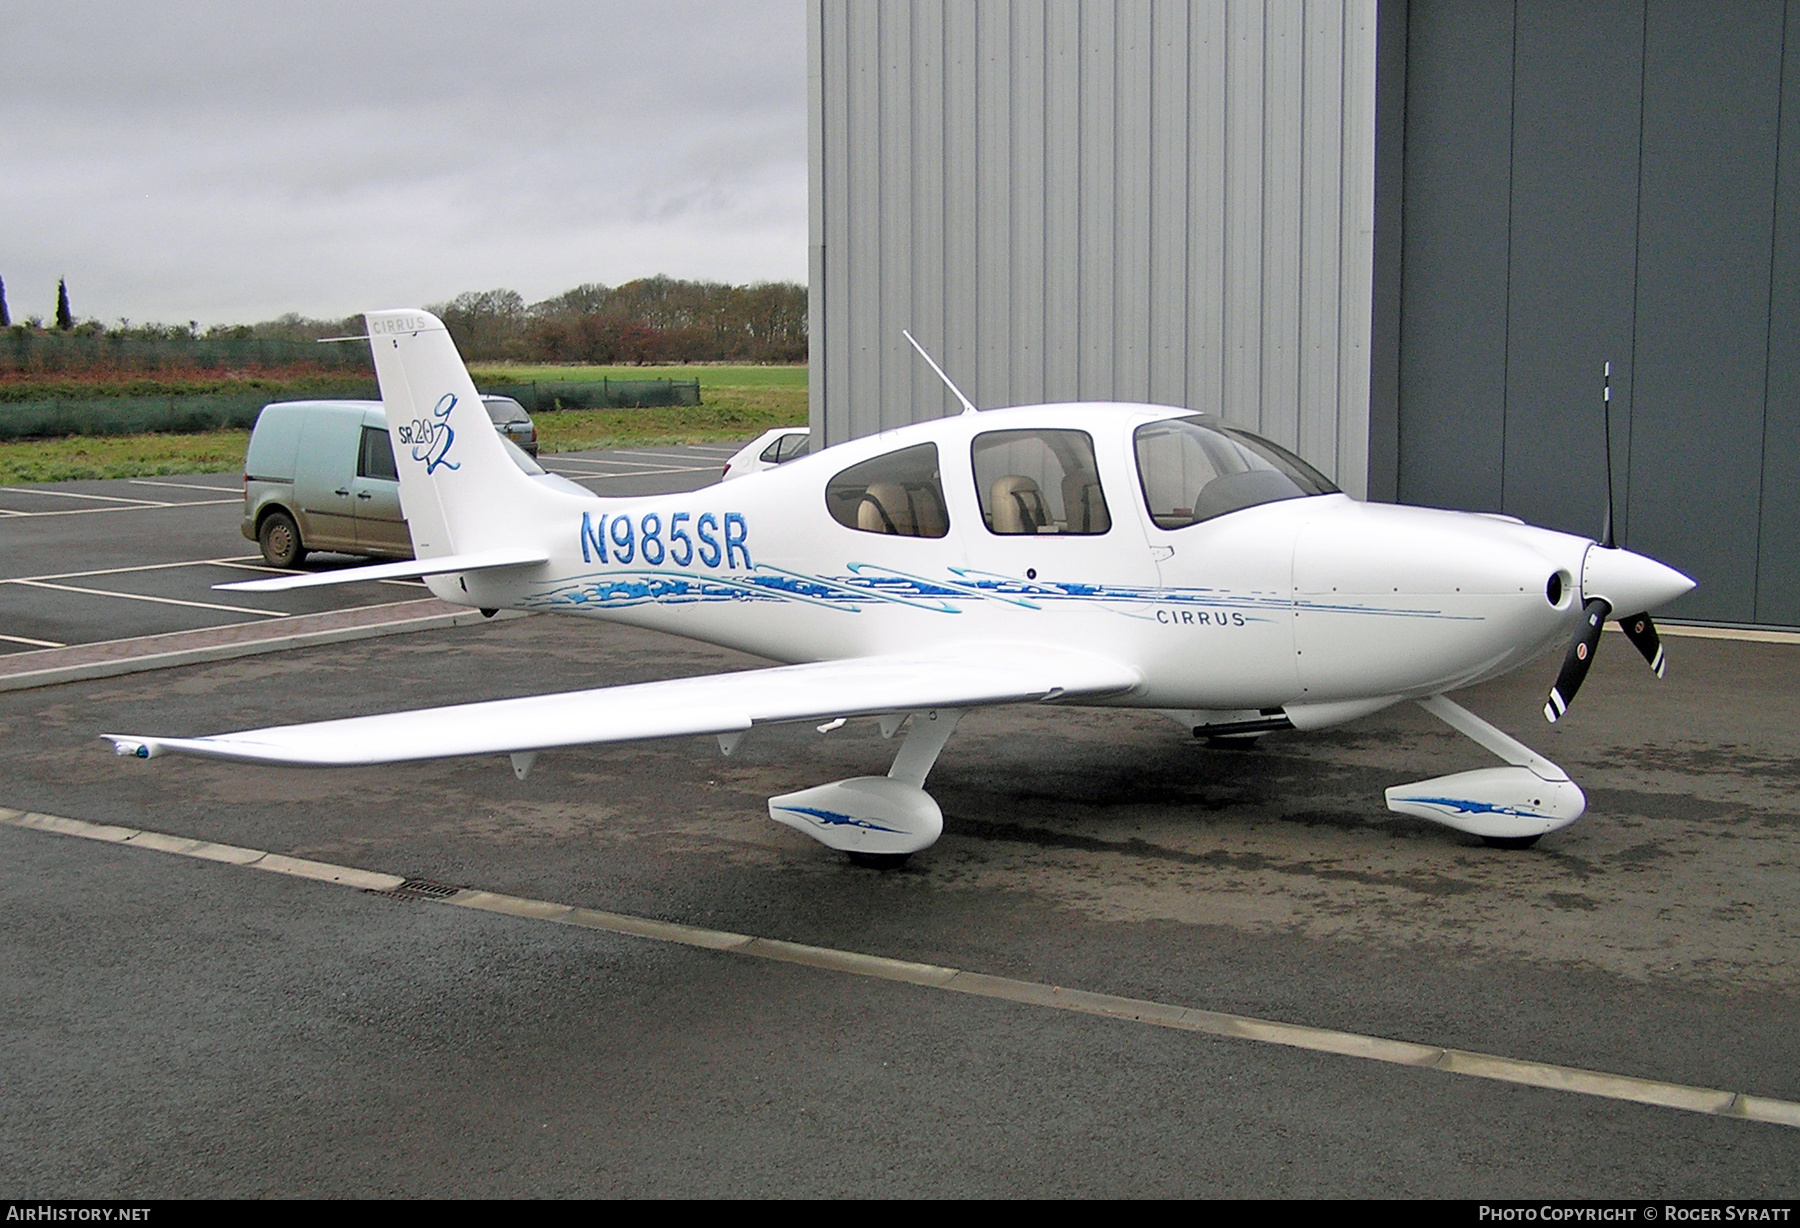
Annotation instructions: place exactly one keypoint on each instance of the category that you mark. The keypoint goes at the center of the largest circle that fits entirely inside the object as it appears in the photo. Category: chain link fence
(25, 351)
(548, 396)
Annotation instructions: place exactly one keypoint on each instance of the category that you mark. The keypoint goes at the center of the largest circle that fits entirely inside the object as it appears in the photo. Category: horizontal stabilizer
(483, 560)
(961, 677)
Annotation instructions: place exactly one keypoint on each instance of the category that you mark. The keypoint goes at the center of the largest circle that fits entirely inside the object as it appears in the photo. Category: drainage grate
(420, 889)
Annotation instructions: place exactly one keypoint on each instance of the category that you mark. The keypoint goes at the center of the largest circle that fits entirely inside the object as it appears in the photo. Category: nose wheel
(1510, 842)
(879, 861)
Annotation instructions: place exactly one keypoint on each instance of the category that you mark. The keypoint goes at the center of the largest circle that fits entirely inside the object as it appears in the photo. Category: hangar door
(1619, 181)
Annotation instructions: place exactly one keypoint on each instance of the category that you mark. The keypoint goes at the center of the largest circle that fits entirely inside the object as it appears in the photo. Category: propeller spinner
(1610, 578)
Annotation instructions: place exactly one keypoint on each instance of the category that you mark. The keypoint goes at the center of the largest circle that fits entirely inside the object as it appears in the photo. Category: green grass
(120, 456)
(710, 376)
(729, 414)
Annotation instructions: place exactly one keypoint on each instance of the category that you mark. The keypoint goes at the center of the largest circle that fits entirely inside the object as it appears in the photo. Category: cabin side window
(899, 494)
(1193, 469)
(1035, 483)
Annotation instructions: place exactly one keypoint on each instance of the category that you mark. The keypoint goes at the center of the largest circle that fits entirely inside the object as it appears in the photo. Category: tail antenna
(1606, 417)
(967, 404)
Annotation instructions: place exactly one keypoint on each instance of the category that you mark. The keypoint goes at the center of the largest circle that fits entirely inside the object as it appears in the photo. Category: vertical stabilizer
(460, 490)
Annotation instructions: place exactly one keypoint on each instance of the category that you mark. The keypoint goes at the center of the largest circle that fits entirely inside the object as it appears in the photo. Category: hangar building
(1401, 238)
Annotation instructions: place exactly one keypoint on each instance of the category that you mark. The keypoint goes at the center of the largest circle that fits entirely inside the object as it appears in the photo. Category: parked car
(320, 475)
(511, 420)
(771, 448)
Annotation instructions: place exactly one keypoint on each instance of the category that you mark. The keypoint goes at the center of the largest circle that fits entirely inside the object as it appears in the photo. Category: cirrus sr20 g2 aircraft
(1095, 554)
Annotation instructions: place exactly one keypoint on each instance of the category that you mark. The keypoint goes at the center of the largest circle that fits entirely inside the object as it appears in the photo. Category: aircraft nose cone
(1629, 582)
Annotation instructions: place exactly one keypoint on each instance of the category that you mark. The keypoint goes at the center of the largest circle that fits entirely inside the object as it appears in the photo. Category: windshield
(1194, 469)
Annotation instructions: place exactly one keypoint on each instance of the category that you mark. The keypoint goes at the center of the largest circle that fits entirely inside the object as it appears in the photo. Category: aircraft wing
(957, 677)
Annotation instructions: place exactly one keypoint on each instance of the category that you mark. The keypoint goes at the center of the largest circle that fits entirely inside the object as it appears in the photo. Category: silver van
(320, 475)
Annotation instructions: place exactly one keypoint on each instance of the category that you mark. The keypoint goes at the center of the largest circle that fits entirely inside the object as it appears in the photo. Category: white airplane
(1132, 556)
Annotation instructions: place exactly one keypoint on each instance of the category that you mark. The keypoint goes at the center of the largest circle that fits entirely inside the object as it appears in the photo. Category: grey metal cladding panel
(899, 366)
(1207, 43)
(835, 142)
(960, 355)
(1453, 287)
(862, 240)
(1099, 126)
(1169, 119)
(1576, 96)
(1778, 557)
(1132, 140)
(1711, 88)
(1321, 194)
(1284, 42)
(926, 278)
(1029, 288)
(1388, 68)
(1062, 205)
(1243, 211)
(1356, 248)
(815, 216)
(994, 192)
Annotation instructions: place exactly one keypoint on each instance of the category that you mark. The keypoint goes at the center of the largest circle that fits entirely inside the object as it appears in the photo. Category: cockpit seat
(1018, 505)
(886, 509)
(1083, 502)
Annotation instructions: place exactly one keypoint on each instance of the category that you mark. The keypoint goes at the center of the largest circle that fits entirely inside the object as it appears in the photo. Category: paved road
(82, 562)
(180, 1027)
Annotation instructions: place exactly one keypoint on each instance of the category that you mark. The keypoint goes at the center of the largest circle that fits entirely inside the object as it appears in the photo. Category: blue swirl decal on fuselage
(831, 818)
(867, 586)
(1463, 805)
(669, 557)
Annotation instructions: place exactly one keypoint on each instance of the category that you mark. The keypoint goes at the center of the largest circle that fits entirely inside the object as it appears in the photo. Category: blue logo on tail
(431, 438)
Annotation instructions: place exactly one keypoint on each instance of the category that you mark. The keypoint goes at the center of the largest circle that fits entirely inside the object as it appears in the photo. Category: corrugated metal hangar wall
(1572, 183)
(1402, 242)
(1092, 200)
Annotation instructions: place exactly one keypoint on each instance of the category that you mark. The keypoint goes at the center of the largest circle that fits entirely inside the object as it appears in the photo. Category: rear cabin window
(898, 494)
(1034, 483)
(786, 448)
(376, 459)
(1195, 469)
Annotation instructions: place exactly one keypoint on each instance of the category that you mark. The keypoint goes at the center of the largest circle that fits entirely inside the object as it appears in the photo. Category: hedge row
(186, 415)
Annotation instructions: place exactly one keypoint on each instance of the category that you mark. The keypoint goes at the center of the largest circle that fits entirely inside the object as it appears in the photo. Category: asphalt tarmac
(87, 562)
(178, 1027)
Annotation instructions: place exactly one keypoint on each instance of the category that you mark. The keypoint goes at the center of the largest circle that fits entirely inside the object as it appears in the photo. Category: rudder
(459, 489)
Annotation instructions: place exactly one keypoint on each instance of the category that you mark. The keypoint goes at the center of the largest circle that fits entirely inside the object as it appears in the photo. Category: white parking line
(236, 561)
(21, 639)
(611, 462)
(197, 605)
(1604, 1085)
(217, 490)
(143, 507)
(654, 455)
(631, 473)
(76, 494)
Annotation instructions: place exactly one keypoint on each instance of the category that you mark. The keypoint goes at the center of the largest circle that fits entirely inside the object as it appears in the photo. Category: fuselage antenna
(967, 404)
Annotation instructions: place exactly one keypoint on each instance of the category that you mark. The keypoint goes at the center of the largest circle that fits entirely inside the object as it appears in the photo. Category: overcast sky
(228, 162)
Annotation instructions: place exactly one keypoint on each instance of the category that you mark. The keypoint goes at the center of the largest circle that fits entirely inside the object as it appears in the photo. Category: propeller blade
(1642, 634)
(1580, 658)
